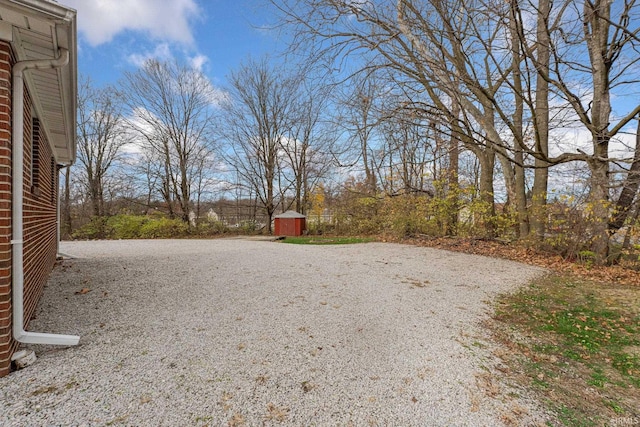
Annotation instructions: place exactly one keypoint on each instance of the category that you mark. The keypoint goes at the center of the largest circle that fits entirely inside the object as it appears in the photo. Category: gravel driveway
(238, 332)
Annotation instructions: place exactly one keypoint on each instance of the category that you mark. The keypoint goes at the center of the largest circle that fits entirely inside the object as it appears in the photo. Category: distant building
(290, 223)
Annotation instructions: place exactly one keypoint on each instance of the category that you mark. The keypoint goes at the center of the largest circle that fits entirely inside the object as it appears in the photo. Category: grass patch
(576, 343)
(322, 240)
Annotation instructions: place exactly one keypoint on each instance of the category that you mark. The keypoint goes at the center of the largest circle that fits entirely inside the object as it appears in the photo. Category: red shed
(290, 223)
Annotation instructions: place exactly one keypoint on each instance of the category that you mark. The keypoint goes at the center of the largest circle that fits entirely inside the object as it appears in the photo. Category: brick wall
(7, 346)
(40, 217)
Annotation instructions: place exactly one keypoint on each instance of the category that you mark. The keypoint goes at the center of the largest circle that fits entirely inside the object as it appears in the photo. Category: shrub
(568, 228)
(163, 228)
(96, 228)
(131, 227)
(407, 215)
(126, 226)
(208, 228)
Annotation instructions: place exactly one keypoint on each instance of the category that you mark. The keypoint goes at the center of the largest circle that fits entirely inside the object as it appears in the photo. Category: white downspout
(17, 142)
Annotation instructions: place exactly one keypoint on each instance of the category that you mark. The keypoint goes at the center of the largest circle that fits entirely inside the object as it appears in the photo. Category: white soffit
(40, 29)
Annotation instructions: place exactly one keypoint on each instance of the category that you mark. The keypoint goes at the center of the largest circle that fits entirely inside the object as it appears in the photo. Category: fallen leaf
(275, 413)
(83, 291)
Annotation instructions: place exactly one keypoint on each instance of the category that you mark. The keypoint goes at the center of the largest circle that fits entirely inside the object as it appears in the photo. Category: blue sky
(214, 35)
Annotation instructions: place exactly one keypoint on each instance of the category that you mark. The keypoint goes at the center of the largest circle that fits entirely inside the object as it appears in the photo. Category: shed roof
(37, 29)
(290, 214)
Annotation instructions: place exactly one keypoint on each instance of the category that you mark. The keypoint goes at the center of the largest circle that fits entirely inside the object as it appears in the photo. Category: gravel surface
(237, 332)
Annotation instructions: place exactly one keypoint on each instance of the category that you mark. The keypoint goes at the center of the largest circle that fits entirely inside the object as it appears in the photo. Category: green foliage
(476, 218)
(361, 216)
(407, 215)
(249, 226)
(309, 240)
(163, 228)
(570, 224)
(126, 226)
(571, 228)
(587, 258)
(211, 228)
(445, 209)
(452, 211)
(581, 335)
(96, 228)
(317, 227)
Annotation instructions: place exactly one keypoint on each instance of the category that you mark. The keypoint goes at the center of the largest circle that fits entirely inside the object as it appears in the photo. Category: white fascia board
(53, 10)
(64, 23)
(6, 31)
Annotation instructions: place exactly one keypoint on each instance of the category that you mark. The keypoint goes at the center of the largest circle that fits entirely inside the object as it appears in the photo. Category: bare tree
(446, 51)
(269, 124)
(359, 119)
(101, 137)
(412, 154)
(541, 116)
(66, 226)
(254, 122)
(171, 110)
(629, 191)
(593, 56)
(309, 142)
(502, 73)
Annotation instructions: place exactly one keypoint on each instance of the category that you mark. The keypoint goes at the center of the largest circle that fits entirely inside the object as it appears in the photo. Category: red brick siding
(39, 211)
(40, 216)
(7, 345)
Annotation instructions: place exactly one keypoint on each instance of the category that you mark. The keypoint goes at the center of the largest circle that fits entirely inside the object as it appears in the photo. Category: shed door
(288, 226)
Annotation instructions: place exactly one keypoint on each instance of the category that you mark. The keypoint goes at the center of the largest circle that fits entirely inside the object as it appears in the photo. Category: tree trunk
(597, 15)
(628, 194)
(541, 120)
(599, 208)
(186, 195)
(298, 195)
(95, 201)
(487, 164)
(452, 175)
(520, 178)
(66, 205)
(626, 244)
(269, 205)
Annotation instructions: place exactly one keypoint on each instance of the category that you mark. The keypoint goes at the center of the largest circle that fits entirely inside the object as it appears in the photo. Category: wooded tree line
(461, 106)
(164, 139)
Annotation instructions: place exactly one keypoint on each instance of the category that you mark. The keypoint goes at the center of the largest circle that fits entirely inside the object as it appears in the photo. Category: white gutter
(17, 143)
(54, 10)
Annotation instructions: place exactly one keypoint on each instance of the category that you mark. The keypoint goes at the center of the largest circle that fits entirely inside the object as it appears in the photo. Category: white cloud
(198, 61)
(99, 21)
(162, 52)
(216, 96)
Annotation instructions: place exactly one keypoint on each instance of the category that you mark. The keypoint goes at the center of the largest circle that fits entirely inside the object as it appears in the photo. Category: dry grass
(276, 413)
(237, 420)
(573, 338)
(572, 342)
(623, 273)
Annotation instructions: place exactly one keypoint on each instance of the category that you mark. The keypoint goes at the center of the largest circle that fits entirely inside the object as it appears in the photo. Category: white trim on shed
(290, 214)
